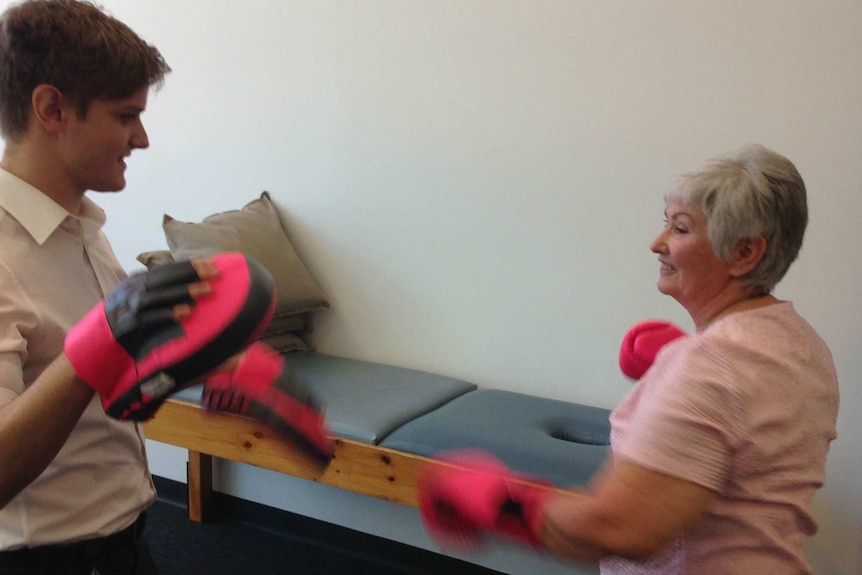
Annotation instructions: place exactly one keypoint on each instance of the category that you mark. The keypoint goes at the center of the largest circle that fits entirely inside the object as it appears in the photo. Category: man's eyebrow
(131, 108)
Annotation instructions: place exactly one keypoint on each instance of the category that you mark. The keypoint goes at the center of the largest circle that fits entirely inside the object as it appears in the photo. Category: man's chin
(109, 188)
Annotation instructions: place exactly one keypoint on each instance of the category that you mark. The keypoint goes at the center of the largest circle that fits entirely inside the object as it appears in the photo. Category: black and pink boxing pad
(260, 387)
(135, 355)
(642, 343)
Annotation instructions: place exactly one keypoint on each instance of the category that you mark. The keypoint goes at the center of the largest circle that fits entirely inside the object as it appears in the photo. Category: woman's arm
(632, 511)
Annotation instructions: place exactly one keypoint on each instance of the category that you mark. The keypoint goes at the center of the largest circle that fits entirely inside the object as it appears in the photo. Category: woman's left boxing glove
(641, 345)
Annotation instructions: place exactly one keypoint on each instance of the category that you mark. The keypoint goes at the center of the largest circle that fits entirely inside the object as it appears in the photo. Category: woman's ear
(746, 254)
(47, 102)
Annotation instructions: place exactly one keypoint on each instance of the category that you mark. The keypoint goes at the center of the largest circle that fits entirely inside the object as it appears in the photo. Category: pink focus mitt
(134, 354)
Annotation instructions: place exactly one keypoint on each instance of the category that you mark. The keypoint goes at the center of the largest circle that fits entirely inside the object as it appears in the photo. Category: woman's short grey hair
(754, 192)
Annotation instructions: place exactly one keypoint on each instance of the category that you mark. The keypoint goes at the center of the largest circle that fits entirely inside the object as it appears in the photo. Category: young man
(73, 85)
(77, 340)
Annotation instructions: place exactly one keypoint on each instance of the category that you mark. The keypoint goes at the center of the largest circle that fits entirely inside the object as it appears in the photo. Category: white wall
(475, 183)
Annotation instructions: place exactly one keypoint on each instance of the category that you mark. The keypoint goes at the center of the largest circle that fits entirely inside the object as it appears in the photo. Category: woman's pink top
(746, 408)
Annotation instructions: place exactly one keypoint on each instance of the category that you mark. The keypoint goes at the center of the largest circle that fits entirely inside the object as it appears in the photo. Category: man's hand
(164, 329)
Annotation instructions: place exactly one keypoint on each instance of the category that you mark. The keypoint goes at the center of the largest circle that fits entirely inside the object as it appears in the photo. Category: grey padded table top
(364, 400)
(563, 442)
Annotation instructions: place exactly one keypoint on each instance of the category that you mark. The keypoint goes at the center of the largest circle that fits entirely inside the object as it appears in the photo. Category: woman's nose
(658, 245)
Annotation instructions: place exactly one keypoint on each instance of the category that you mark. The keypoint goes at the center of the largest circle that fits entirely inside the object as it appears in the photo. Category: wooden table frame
(357, 466)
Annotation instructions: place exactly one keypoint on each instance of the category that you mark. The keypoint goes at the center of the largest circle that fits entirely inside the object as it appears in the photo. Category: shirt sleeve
(13, 345)
(688, 417)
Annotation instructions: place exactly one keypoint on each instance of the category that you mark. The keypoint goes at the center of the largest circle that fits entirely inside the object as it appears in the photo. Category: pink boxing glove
(642, 343)
(132, 352)
(459, 505)
(260, 387)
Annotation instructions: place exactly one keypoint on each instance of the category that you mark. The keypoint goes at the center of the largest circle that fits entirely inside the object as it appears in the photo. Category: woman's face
(690, 272)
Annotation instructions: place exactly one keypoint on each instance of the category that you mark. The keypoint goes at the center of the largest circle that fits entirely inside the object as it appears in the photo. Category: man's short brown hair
(75, 47)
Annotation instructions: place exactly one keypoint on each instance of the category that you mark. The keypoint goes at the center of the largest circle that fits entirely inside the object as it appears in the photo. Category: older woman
(720, 446)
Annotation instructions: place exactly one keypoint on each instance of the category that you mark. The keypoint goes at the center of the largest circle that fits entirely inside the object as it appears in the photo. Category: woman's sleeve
(688, 419)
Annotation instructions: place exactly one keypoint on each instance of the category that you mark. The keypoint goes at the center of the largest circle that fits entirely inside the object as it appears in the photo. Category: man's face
(95, 147)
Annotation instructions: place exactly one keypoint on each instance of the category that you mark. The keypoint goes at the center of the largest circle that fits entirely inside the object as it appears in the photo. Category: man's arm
(35, 425)
(156, 333)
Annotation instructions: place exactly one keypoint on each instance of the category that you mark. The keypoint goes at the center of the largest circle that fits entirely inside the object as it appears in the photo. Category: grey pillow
(285, 342)
(258, 231)
(155, 258)
(289, 332)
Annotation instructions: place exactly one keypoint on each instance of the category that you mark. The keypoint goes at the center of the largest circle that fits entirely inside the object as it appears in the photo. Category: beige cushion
(258, 231)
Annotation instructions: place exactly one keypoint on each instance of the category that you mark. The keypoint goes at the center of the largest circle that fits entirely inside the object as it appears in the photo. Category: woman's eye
(674, 227)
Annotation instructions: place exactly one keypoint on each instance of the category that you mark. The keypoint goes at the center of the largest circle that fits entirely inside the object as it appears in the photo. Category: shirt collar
(39, 214)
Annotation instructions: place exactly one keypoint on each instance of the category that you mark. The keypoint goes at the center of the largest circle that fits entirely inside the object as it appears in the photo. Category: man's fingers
(181, 312)
(195, 291)
(206, 269)
(172, 274)
(199, 289)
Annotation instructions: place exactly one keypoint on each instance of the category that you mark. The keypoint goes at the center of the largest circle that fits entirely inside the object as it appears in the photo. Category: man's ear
(48, 108)
(746, 254)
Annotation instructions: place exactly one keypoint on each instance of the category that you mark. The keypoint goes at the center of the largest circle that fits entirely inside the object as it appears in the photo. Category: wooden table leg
(200, 480)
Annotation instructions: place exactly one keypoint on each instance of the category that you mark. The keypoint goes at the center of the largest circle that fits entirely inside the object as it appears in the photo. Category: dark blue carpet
(247, 538)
